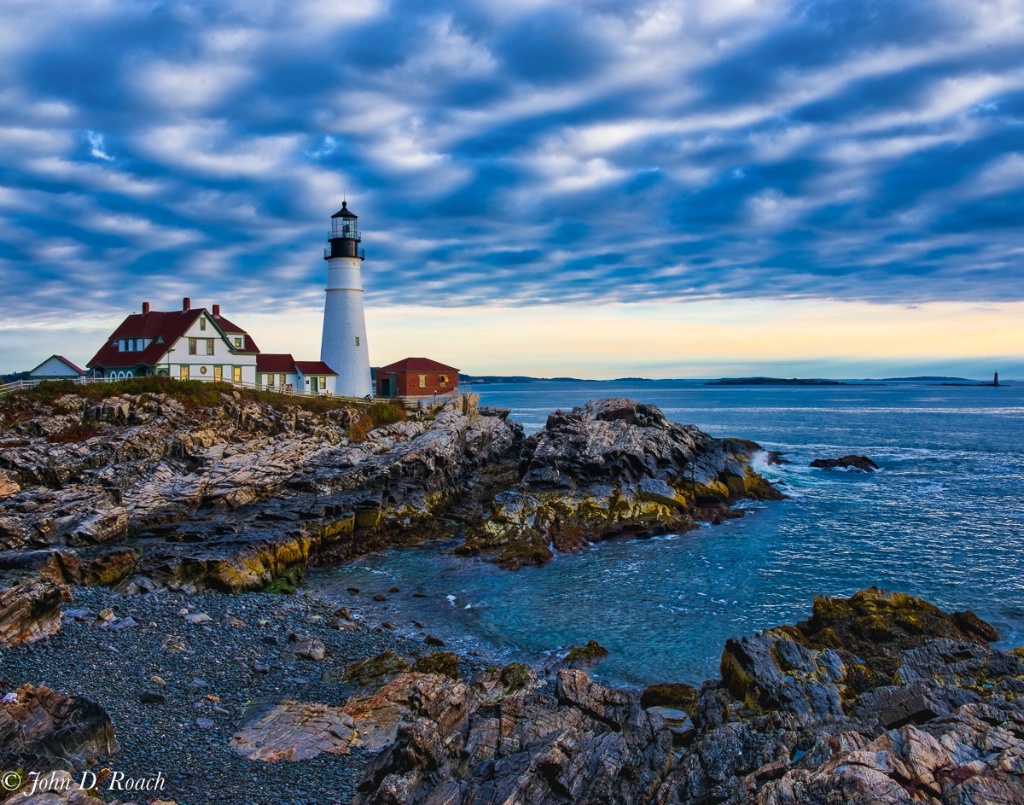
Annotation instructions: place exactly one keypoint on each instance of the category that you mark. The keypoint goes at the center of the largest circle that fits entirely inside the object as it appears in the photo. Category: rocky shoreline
(124, 522)
(261, 698)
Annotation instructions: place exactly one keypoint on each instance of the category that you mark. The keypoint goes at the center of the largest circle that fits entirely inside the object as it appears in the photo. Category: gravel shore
(208, 670)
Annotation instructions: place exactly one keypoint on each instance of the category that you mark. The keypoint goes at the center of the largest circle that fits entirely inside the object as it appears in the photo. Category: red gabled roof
(66, 362)
(155, 325)
(276, 362)
(417, 365)
(248, 345)
(314, 368)
(163, 328)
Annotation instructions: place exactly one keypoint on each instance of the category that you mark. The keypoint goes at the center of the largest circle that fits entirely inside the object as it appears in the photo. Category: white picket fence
(420, 402)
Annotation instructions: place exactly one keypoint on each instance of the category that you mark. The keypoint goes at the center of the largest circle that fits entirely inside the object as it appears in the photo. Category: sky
(545, 187)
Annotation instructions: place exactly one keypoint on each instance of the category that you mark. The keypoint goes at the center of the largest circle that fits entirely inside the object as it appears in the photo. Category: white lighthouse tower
(343, 347)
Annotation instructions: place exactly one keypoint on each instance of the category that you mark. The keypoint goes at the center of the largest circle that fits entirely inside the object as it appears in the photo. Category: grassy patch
(377, 415)
(19, 406)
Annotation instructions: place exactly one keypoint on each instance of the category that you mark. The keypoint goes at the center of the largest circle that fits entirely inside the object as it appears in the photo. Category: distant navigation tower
(343, 346)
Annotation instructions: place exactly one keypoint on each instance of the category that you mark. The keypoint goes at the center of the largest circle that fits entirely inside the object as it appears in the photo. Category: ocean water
(942, 519)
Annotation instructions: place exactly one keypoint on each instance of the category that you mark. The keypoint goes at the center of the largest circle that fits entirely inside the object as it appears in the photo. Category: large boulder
(575, 741)
(611, 467)
(851, 463)
(43, 730)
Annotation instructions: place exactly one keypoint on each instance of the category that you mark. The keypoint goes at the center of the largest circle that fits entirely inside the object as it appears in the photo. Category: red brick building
(416, 377)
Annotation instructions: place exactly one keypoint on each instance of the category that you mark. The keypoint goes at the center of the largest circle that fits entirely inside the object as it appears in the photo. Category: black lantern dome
(344, 235)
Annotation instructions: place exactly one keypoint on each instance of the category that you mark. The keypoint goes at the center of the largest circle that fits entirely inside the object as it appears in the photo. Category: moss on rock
(586, 655)
(516, 676)
(374, 669)
(444, 663)
(672, 694)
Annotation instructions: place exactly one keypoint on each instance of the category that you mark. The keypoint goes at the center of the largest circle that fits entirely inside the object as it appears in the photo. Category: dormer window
(238, 342)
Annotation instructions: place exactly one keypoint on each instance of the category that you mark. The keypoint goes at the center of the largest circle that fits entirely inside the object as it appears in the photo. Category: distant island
(774, 381)
(479, 380)
(934, 380)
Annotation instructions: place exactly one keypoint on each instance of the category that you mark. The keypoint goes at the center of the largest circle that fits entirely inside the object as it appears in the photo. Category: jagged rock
(8, 486)
(770, 671)
(237, 496)
(30, 612)
(580, 742)
(292, 730)
(851, 462)
(797, 718)
(43, 730)
(612, 466)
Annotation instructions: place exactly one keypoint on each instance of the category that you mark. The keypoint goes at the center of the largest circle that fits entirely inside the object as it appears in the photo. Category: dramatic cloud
(510, 154)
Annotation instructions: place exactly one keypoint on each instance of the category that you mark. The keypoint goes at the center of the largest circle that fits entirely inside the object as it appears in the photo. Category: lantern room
(344, 235)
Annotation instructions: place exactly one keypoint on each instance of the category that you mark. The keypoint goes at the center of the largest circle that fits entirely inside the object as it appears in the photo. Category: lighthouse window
(357, 340)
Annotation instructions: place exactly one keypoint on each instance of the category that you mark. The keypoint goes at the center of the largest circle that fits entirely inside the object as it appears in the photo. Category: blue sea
(942, 519)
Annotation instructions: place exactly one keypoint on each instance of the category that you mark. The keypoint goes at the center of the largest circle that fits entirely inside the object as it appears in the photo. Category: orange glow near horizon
(694, 339)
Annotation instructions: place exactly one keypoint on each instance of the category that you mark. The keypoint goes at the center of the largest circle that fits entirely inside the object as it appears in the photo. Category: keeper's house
(188, 344)
(416, 377)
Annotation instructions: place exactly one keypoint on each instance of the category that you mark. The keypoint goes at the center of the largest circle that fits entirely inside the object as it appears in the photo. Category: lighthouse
(343, 347)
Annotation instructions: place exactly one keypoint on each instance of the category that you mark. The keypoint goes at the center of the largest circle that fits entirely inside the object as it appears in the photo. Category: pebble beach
(178, 672)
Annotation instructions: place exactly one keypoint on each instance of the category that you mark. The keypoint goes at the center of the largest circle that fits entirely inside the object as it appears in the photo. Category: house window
(281, 380)
(209, 346)
(238, 342)
(202, 323)
(423, 381)
(183, 372)
(193, 346)
(442, 380)
(218, 374)
(236, 374)
(357, 340)
(269, 379)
